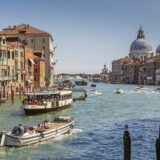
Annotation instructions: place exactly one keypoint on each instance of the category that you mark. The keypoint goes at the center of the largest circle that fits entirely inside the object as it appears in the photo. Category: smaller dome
(158, 50)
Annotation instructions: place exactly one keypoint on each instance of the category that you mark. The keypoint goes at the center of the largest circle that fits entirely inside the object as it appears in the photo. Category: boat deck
(50, 126)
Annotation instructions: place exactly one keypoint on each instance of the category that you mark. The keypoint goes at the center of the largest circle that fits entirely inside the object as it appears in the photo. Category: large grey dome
(158, 50)
(140, 45)
(140, 48)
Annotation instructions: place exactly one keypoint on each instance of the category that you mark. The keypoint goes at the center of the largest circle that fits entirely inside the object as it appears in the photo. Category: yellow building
(16, 65)
(38, 40)
(4, 67)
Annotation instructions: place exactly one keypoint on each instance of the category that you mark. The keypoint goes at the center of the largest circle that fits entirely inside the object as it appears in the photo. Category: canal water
(99, 126)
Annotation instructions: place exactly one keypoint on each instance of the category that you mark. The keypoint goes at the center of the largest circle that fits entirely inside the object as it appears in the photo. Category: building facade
(141, 67)
(39, 40)
(104, 75)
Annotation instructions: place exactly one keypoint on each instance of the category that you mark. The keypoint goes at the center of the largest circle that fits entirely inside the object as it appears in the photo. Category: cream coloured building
(39, 40)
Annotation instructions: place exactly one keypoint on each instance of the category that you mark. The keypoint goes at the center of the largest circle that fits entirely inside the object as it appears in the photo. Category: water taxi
(119, 91)
(26, 135)
(41, 102)
(94, 92)
(139, 88)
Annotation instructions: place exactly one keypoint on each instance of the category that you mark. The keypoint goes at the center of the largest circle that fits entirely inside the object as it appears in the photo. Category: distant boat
(94, 92)
(93, 85)
(157, 89)
(19, 137)
(80, 98)
(81, 82)
(3, 100)
(119, 91)
(139, 88)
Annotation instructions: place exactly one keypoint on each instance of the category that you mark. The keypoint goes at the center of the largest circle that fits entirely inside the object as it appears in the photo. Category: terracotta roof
(22, 28)
(134, 62)
(122, 60)
(154, 58)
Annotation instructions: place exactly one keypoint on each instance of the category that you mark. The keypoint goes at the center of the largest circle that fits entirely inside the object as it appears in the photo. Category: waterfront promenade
(99, 126)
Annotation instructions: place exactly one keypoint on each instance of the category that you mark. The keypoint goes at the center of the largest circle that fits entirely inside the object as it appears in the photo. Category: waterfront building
(118, 69)
(5, 77)
(149, 71)
(139, 67)
(157, 66)
(34, 69)
(37, 39)
(16, 65)
(131, 72)
(104, 75)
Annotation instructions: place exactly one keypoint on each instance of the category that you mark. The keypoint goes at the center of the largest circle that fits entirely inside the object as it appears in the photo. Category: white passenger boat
(42, 132)
(139, 88)
(46, 101)
(119, 91)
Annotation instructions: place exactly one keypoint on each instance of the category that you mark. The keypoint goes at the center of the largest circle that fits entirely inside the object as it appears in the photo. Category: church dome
(158, 50)
(140, 45)
(140, 48)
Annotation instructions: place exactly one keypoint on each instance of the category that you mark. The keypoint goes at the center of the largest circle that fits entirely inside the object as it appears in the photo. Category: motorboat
(27, 135)
(93, 85)
(119, 91)
(3, 100)
(41, 102)
(80, 98)
(139, 88)
(94, 92)
(81, 82)
(157, 89)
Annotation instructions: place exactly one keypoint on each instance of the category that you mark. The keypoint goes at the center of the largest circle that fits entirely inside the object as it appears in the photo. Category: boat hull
(31, 111)
(14, 141)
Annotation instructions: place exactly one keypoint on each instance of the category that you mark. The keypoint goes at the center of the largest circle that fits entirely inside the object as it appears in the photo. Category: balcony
(5, 78)
(30, 77)
(23, 71)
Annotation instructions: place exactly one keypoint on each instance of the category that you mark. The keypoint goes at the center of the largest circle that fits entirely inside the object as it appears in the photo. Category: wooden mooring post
(158, 147)
(0, 96)
(127, 144)
(12, 95)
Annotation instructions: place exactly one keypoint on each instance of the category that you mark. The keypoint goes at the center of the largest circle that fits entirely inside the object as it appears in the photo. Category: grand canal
(99, 126)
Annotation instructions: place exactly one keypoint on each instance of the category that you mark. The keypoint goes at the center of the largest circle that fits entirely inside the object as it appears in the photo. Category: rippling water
(99, 126)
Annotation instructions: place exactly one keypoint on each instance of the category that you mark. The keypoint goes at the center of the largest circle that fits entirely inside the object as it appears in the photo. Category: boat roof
(48, 93)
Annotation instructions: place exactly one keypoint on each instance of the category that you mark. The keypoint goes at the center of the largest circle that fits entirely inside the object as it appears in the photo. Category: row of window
(66, 96)
(43, 40)
(6, 72)
(12, 54)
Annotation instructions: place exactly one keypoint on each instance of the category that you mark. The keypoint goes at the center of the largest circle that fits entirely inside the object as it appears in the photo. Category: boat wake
(74, 131)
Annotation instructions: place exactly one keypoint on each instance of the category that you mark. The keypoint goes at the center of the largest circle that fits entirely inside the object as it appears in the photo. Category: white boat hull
(16, 141)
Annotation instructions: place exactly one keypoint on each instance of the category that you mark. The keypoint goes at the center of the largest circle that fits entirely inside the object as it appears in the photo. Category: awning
(32, 61)
(29, 81)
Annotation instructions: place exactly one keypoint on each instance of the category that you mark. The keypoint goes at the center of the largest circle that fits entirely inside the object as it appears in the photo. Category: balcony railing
(6, 78)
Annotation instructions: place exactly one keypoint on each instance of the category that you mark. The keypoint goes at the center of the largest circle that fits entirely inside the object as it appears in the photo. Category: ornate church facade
(141, 66)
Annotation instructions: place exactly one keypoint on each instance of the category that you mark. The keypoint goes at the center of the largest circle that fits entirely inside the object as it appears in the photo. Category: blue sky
(88, 33)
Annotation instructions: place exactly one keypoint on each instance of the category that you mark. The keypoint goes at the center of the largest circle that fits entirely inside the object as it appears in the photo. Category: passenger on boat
(21, 129)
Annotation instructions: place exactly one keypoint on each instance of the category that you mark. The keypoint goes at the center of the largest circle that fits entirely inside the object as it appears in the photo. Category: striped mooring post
(127, 144)
(158, 147)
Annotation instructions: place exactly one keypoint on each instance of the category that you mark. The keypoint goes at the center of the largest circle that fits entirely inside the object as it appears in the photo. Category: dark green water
(99, 126)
